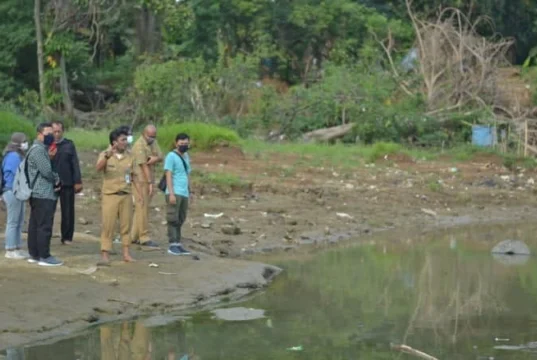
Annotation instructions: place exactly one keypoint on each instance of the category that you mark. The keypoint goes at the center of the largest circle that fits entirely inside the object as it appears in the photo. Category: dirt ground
(284, 204)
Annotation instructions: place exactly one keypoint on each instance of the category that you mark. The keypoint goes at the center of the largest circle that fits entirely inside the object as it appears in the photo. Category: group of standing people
(52, 171)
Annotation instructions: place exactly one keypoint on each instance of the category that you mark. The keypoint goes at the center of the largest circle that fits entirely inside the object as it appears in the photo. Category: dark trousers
(176, 216)
(67, 204)
(40, 227)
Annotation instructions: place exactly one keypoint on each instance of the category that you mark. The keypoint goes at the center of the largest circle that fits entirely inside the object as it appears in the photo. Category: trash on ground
(153, 265)
(429, 212)
(344, 215)
(88, 271)
(213, 216)
(296, 348)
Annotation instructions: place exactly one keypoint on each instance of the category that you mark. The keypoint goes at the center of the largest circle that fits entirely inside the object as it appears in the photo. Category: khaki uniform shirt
(118, 173)
(142, 152)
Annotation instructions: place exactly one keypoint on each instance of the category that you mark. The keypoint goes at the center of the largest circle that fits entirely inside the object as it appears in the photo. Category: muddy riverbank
(245, 206)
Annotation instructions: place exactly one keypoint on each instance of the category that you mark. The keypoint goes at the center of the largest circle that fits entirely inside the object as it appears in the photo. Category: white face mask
(24, 146)
(130, 139)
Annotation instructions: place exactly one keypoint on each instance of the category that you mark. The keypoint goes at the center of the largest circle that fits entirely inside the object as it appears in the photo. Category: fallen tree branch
(328, 134)
(408, 350)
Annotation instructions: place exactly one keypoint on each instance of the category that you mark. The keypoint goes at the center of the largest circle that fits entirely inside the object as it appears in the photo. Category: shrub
(10, 123)
(203, 136)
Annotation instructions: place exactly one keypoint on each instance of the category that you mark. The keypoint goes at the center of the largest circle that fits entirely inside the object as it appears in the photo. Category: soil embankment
(286, 203)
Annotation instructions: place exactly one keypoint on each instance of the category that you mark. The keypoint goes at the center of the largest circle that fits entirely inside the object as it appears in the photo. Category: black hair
(182, 136)
(126, 128)
(42, 127)
(58, 122)
(115, 134)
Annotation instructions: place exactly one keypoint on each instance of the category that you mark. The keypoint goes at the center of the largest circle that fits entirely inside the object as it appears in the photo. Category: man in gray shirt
(44, 196)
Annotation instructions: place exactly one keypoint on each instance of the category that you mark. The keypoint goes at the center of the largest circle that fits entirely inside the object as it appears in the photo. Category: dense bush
(10, 123)
(203, 136)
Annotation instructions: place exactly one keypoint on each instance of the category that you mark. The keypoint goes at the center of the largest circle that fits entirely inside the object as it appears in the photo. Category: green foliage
(10, 123)
(203, 136)
(88, 140)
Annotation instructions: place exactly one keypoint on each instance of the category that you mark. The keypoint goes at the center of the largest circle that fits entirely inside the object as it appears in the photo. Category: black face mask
(182, 148)
(48, 139)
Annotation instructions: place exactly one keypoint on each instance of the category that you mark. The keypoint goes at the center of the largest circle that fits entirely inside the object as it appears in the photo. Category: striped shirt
(40, 166)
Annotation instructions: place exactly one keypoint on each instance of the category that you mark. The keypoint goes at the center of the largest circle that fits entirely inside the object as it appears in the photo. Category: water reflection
(448, 298)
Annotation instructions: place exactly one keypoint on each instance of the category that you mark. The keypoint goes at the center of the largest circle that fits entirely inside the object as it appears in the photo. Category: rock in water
(238, 314)
(511, 247)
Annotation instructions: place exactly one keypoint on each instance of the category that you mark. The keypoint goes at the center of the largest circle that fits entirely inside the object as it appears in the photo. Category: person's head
(182, 142)
(44, 133)
(150, 134)
(118, 138)
(58, 129)
(130, 138)
(17, 143)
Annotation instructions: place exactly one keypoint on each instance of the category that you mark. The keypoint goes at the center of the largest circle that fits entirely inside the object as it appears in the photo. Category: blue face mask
(48, 139)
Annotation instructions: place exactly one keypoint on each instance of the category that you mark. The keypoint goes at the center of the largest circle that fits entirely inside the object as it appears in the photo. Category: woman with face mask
(12, 156)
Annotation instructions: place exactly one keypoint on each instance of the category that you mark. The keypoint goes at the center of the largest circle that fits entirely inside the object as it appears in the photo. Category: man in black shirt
(68, 168)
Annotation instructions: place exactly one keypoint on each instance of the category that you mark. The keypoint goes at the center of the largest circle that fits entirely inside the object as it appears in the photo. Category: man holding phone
(146, 152)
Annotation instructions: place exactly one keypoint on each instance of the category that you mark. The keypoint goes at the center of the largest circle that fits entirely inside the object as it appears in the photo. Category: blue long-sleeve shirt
(10, 164)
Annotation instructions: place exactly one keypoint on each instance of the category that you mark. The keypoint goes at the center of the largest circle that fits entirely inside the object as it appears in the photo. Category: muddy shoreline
(282, 206)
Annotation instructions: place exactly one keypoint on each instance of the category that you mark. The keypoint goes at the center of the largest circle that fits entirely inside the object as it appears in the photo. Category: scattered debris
(88, 271)
(166, 273)
(344, 215)
(231, 229)
(296, 348)
(408, 350)
(83, 221)
(429, 212)
(122, 301)
(213, 216)
(153, 265)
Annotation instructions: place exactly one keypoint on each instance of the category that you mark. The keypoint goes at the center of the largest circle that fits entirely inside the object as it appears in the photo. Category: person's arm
(10, 164)
(40, 158)
(168, 170)
(75, 166)
(103, 159)
(137, 188)
(153, 159)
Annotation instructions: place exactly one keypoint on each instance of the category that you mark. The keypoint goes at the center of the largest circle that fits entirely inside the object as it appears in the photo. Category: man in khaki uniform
(146, 152)
(116, 165)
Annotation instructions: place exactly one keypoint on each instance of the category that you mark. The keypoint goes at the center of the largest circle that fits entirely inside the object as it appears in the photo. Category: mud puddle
(443, 294)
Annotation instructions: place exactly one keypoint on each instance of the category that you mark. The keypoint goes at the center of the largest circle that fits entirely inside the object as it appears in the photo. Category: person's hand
(57, 187)
(110, 150)
(191, 199)
(173, 199)
(140, 199)
(152, 160)
(78, 188)
(52, 152)
(151, 189)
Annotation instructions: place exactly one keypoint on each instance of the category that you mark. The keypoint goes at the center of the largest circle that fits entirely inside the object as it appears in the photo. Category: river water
(444, 295)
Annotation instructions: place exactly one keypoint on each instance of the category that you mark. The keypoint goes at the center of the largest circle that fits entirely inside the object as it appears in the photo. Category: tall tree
(40, 53)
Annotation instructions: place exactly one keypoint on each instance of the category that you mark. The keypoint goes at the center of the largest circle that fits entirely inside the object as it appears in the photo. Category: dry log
(328, 134)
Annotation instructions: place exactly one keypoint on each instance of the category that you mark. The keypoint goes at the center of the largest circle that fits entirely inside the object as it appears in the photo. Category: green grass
(203, 136)
(89, 140)
(10, 123)
(352, 155)
(221, 180)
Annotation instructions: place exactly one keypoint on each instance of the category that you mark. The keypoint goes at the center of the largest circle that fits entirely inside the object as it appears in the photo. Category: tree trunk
(64, 86)
(40, 62)
(147, 31)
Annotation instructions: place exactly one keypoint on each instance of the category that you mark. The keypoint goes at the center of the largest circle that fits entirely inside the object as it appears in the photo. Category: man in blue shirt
(177, 169)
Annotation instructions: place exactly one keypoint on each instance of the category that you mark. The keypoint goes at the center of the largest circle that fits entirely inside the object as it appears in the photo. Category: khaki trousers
(140, 225)
(116, 207)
